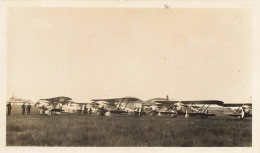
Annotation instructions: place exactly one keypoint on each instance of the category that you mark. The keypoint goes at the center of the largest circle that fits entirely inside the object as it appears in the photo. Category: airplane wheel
(187, 116)
(108, 114)
(99, 113)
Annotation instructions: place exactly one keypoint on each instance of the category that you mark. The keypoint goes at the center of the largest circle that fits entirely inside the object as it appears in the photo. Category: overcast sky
(85, 53)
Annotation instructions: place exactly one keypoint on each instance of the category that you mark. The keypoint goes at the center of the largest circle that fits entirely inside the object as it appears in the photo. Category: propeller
(243, 113)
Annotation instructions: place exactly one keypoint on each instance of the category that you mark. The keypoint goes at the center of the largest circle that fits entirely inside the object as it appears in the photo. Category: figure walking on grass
(29, 109)
(23, 108)
(9, 107)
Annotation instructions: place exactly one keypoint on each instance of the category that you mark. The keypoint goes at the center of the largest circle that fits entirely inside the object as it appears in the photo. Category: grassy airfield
(93, 130)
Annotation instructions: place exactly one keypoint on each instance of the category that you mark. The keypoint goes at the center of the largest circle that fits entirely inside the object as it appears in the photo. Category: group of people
(28, 108)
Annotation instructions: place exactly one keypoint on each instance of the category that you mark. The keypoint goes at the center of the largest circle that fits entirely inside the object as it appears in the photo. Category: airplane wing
(107, 100)
(113, 100)
(167, 112)
(236, 104)
(169, 102)
(200, 114)
(163, 102)
(212, 102)
(60, 99)
(118, 111)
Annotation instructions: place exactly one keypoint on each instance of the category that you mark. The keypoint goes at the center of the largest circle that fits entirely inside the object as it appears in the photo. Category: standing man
(85, 110)
(9, 107)
(43, 110)
(29, 109)
(23, 108)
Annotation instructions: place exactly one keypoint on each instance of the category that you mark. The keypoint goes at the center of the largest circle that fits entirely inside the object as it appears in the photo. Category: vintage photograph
(129, 77)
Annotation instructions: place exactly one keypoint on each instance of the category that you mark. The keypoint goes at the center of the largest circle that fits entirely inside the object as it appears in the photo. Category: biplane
(125, 105)
(197, 108)
(57, 105)
(243, 109)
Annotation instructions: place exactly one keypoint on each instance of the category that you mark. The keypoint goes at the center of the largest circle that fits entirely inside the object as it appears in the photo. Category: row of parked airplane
(135, 106)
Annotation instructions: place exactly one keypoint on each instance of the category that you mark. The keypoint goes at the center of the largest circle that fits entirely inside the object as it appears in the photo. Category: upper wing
(113, 100)
(163, 102)
(107, 100)
(236, 104)
(212, 102)
(171, 102)
(60, 99)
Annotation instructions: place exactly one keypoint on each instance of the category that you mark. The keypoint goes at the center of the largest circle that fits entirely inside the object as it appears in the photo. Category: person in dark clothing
(85, 110)
(89, 110)
(43, 110)
(9, 107)
(28, 109)
(23, 108)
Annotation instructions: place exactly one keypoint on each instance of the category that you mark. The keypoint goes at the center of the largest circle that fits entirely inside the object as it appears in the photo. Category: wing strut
(206, 108)
(120, 102)
(201, 107)
(127, 104)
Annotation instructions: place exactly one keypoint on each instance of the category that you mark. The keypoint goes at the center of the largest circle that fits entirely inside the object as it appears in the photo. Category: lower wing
(200, 114)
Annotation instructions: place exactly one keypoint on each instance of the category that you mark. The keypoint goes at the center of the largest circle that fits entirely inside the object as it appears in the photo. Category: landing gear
(100, 113)
(108, 114)
(174, 115)
(240, 117)
(187, 116)
(48, 112)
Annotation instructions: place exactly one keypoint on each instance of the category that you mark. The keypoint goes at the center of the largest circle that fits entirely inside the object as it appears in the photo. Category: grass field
(92, 130)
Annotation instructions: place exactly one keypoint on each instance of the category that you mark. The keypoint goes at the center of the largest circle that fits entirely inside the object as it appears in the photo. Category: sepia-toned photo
(129, 77)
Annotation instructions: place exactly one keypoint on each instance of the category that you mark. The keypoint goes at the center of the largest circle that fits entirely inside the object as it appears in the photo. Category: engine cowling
(179, 108)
